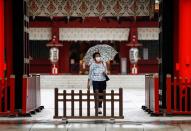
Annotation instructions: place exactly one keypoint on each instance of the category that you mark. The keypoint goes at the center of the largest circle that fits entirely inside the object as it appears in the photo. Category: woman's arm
(88, 84)
(89, 77)
(105, 66)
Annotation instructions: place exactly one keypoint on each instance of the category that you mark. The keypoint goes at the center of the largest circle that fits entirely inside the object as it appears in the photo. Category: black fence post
(121, 102)
(80, 103)
(64, 103)
(104, 103)
(112, 103)
(56, 102)
(72, 102)
(88, 102)
(96, 102)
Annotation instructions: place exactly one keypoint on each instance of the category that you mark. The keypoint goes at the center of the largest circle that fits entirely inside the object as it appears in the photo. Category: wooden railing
(78, 112)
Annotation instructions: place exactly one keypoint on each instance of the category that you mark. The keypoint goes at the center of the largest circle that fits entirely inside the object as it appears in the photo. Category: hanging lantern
(54, 54)
(134, 55)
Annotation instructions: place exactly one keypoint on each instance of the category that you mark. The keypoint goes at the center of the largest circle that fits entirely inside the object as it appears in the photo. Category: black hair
(95, 54)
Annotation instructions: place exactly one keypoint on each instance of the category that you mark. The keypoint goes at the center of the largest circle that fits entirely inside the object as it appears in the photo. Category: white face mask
(98, 59)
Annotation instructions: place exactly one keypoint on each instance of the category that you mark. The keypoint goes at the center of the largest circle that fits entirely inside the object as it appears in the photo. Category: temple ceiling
(90, 8)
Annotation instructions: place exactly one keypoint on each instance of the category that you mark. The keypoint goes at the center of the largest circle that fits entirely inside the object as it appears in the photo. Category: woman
(97, 73)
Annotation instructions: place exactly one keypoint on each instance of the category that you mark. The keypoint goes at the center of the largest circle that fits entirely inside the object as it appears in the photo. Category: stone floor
(93, 126)
(135, 119)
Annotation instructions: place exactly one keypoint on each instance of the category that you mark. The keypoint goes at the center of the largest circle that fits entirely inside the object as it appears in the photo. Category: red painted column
(176, 38)
(65, 59)
(55, 31)
(185, 38)
(64, 65)
(8, 36)
(2, 38)
(60, 63)
(123, 50)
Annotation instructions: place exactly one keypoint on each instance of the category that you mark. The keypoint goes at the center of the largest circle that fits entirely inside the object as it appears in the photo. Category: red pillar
(123, 50)
(65, 58)
(8, 36)
(55, 31)
(185, 38)
(176, 38)
(2, 38)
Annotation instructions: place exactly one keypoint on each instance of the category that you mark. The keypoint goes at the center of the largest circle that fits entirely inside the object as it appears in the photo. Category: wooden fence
(86, 98)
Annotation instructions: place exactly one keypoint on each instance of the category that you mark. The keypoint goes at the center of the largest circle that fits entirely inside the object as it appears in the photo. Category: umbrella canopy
(107, 53)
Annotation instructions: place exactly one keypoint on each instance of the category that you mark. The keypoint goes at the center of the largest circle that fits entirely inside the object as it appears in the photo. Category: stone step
(80, 81)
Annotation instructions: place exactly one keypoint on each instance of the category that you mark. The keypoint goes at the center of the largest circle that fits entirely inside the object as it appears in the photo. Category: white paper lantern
(134, 55)
(54, 55)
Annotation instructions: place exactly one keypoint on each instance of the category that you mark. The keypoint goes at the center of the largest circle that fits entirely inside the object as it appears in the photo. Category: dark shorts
(100, 86)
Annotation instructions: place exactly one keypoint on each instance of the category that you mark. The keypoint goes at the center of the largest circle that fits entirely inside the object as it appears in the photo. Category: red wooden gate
(7, 96)
(178, 95)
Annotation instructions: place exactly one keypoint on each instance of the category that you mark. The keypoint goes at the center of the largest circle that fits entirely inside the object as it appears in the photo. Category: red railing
(7, 90)
(178, 98)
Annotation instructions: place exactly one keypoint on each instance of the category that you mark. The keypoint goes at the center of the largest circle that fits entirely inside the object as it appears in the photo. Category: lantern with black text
(54, 53)
(54, 57)
(134, 57)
